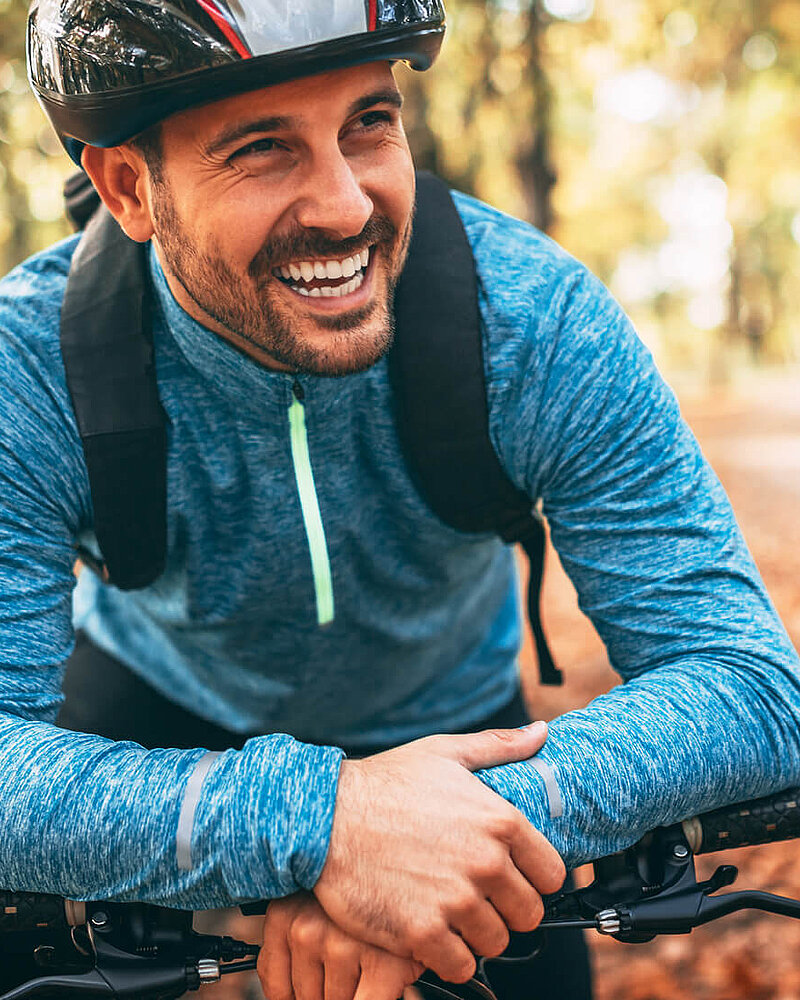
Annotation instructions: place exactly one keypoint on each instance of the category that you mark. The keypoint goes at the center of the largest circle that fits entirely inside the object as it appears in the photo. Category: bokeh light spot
(680, 28)
(570, 10)
(759, 52)
(8, 76)
(707, 311)
(641, 95)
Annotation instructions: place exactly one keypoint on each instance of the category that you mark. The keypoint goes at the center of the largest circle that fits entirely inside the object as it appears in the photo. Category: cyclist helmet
(106, 70)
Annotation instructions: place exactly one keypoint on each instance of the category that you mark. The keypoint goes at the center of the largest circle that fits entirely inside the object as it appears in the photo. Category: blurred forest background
(659, 142)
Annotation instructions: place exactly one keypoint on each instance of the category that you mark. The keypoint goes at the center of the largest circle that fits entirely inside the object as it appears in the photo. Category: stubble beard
(250, 306)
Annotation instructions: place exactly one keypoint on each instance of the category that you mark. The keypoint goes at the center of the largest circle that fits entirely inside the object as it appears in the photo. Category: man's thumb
(493, 746)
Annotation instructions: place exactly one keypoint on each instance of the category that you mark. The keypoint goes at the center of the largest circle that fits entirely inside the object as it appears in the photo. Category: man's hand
(305, 956)
(427, 862)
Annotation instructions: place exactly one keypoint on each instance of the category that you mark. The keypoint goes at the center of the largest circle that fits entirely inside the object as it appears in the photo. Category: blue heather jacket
(399, 625)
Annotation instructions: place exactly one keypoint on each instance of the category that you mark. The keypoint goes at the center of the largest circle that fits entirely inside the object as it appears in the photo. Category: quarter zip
(309, 504)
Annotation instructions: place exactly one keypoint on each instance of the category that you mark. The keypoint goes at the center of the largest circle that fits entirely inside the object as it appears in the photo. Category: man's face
(282, 218)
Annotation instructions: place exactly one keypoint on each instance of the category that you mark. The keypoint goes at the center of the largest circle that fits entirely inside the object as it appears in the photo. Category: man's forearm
(645, 532)
(676, 741)
(87, 817)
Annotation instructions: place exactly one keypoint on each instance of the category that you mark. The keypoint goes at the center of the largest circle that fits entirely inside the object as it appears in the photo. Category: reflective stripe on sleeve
(191, 797)
(554, 800)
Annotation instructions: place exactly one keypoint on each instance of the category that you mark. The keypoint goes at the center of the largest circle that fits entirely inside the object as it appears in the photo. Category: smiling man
(310, 603)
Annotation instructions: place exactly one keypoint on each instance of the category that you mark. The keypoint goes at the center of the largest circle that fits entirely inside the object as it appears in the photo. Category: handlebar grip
(775, 817)
(27, 911)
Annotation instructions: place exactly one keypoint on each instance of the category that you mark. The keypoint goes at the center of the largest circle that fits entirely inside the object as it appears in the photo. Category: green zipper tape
(317, 545)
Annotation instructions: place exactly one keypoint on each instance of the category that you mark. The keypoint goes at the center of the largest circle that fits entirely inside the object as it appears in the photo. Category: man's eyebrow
(384, 96)
(241, 130)
(281, 123)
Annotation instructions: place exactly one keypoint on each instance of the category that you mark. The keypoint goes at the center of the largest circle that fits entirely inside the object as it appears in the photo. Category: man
(308, 590)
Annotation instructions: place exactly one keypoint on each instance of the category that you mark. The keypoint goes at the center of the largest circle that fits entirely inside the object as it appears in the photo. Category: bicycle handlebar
(762, 821)
(27, 911)
(137, 951)
(766, 820)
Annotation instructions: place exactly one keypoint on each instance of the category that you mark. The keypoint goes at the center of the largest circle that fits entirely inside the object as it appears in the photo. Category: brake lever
(652, 889)
(680, 914)
(116, 975)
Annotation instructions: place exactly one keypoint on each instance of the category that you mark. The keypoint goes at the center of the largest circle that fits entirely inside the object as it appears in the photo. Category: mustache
(305, 245)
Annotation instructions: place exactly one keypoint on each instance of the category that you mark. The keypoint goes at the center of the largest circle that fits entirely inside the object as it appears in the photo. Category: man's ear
(120, 177)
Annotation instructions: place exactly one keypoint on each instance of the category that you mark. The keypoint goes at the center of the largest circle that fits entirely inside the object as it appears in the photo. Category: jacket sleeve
(84, 816)
(708, 711)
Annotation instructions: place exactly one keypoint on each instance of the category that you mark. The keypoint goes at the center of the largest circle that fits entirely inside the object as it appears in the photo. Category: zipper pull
(298, 391)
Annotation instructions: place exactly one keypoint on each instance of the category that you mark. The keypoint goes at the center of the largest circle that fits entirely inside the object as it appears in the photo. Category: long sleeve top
(310, 595)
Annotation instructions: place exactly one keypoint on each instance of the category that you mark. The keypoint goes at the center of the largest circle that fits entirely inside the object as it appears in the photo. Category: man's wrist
(267, 816)
(524, 786)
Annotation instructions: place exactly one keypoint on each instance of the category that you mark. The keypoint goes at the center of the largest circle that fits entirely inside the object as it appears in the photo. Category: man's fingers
(519, 904)
(308, 978)
(275, 968)
(308, 975)
(491, 746)
(445, 953)
(537, 859)
(483, 929)
(385, 977)
(370, 988)
(342, 969)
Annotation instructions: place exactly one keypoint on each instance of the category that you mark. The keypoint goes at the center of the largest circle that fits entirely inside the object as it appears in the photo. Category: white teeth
(333, 269)
(329, 291)
(308, 270)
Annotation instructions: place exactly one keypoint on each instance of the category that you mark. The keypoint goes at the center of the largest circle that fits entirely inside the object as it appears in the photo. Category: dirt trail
(752, 439)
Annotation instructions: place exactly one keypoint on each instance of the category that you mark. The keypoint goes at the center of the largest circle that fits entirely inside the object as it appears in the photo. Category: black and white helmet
(105, 70)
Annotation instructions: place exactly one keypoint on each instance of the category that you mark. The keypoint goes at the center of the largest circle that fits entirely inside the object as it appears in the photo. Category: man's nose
(332, 198)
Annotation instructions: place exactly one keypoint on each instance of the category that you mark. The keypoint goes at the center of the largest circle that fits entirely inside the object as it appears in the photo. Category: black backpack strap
(81, 200)
(437, 372)
(532, 538)
(107, 347)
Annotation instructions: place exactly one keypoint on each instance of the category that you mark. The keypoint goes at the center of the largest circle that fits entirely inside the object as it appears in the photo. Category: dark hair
(148, 143)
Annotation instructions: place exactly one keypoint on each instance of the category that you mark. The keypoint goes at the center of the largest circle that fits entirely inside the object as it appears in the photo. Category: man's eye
(256, 147)
(375, 118)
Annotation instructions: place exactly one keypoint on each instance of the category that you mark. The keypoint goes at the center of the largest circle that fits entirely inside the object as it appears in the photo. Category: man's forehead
(326, 95)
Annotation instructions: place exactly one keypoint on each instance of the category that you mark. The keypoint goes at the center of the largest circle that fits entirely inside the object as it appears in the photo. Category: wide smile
(331, 283)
